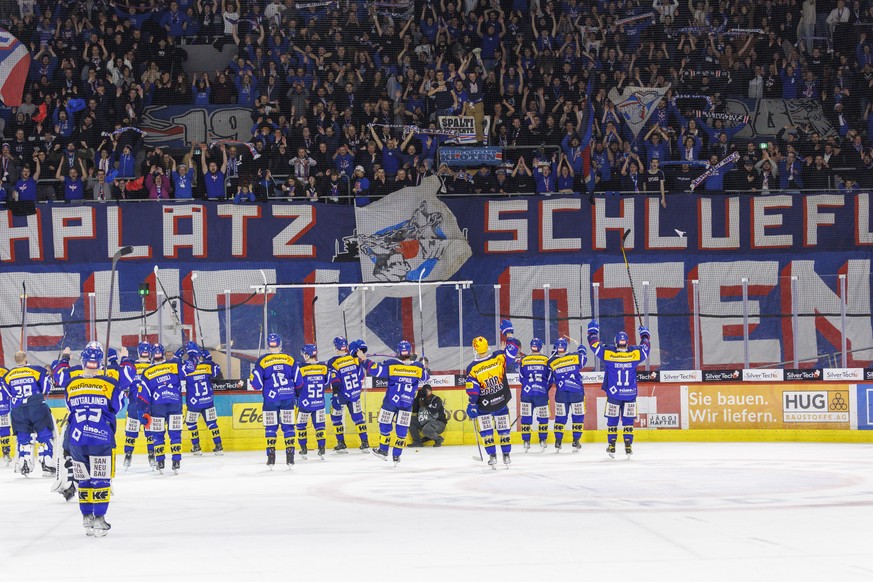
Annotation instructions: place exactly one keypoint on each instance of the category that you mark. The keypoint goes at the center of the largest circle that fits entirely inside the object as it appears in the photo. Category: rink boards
(740, 411)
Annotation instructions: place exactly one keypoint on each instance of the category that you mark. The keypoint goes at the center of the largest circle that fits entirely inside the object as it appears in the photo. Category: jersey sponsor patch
(4, 421)
(80, 471)
(630, 409)
(287, 416)
(404, 417)
(502, 422)
(560, 409)
(526, 408)
(211, 414)
(101, 467)
(132, 425)
(175, 422)
(191, 417)
(158, 424)
(385, 416)
(577, 408)
(270, 418)
(486, 422)
(611, 410)
(303, 418)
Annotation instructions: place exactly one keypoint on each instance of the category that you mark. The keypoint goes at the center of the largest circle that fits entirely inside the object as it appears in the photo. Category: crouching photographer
(428, 418)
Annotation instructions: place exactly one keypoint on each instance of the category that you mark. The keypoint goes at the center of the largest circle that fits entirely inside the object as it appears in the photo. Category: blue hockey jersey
(278, 376)
(620, 368)
(310, 395)
(403, 380)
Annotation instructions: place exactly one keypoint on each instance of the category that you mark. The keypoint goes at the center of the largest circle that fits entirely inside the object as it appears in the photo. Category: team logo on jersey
(410, 236)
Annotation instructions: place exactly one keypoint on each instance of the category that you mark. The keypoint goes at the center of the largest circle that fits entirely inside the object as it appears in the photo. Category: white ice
(787, 512)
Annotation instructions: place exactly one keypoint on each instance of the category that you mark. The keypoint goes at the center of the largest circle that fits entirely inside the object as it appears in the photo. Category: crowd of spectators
(345, 96)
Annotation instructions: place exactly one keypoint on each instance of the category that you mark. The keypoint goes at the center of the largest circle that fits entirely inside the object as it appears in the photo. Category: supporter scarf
(690, 96)
(254, 152)
(713, 169)
(723, 116)
(415, 129)
(638, 17)
(119, 131)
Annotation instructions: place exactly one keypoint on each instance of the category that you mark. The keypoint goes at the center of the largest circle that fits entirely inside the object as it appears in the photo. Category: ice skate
(100, 527)
(159, 466)
(128, 457)
(218, 450)
(492, 461)
(321, 452)
(628, 450)
(396, 460)
(380, 454)
(610, 449)
(543, 446)
(340, 448)
(577, 446)
(195, 450)
(6, 458)
(271, 457)
(303, 453)
(88, 524)
(176, 466)
(365, 447)
(152, 459)
(47, 470)
(506, 460)
(557, 447)
(289, 456)
(526, 446)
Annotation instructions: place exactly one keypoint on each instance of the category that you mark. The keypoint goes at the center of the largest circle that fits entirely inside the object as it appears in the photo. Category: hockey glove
(472, 410)
(644, 332)
(506, 327)
(593, 327)
(146, 420)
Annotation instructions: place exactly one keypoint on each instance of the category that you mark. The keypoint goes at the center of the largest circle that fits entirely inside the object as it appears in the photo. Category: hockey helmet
(404, 348)
(92, 358)
(144, 350)
(158, 352)
(536, 345)
(561, 345)
(274, 341)
(340, 343)
(192, 349)
(621, 341)
(309, 350)
(480, 345)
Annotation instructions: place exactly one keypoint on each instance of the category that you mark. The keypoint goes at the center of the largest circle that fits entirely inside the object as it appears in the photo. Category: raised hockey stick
(314, 327)
(196, 310)
(122, 252)
(64, 337)
(627, 266)
(420, 314)
(172, 304)
(21, 346)
(265, 331)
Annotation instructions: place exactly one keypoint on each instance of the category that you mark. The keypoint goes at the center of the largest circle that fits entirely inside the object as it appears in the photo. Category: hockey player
(27, 387)
(536, 378)
(403, 375)
(347, 380)
(278, 376)
(134, 405)
(566, 370)
(200, 398)
(620, 362)
(161, 387)
(93, 401)
(488, 391)
(5, 422)
(310, 399)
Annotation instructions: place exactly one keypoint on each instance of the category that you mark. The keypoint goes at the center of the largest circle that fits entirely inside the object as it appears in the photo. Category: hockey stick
(627, 266)
(196, 310)
(314, 328)
(122, 252)
(64, 337)
(345, 329)
(265, 323)
(21, 346)
(478, 443)
(420, 315)
(172, 304)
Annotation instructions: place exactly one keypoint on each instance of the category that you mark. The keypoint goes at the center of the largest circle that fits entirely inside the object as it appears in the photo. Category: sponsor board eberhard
(809, 375)
(842, 374)
(248, 416)
(681, 376)
(650, 376)
(815, 406)
(720, 375)
(662, 420)
(762, 375)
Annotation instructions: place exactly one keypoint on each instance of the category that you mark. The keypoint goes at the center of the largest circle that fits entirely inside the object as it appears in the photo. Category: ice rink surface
(689, 511)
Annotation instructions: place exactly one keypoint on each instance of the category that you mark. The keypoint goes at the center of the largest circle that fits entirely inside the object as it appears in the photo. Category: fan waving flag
(14, 66)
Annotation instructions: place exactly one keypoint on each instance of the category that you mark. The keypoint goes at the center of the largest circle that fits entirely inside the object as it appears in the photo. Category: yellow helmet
(480, 345)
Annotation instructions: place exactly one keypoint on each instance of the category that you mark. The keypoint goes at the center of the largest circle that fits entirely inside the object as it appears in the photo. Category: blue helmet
(404, 348)
(340, 343)
(621, 340)
(92, 358)
(192, 349)
(309, 350)
(95, 344)
(274, 341)
(561, 345)
(144, 350)
(205, 355)
(536, 345)
(112, 356)
(158, 349)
